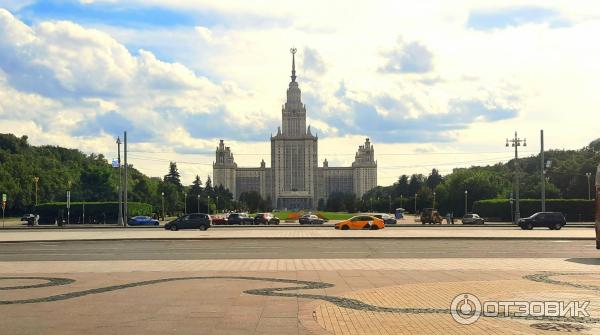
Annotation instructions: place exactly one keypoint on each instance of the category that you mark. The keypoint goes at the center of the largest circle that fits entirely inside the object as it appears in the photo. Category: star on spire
(293, 51)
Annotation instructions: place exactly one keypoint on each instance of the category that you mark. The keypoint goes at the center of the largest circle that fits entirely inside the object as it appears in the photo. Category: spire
(293, 51)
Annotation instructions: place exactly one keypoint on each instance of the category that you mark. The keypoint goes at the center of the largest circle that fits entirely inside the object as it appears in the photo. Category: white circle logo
(465, 308)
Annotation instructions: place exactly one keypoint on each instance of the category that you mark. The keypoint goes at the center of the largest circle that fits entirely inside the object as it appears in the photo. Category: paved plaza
(336, 293)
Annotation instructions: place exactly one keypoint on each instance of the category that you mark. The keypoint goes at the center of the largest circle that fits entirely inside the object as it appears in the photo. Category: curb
(494, 238)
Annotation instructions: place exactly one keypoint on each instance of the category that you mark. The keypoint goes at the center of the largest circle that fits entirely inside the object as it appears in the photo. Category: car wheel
(557, 226)
(344, 227)
(367, 227)
(528, 226)
(203, 227)
(173, 228)
(374, 227)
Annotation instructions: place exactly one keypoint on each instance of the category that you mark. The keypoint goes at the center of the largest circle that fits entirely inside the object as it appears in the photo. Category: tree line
(56, 170)
(565, 178)
(92, 178)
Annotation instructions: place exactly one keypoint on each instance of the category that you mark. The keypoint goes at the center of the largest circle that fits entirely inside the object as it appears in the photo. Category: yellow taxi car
(361, 222)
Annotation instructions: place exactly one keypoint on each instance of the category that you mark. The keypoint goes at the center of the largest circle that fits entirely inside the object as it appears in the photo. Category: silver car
(472, 219)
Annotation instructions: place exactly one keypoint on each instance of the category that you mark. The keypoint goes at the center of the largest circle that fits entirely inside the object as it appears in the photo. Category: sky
(433, 84)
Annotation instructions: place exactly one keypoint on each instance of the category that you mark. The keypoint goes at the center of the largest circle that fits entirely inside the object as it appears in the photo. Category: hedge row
(95, 212)
(574, 210)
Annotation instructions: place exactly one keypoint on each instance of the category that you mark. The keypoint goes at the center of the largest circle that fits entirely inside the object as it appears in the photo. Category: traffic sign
(115, 163)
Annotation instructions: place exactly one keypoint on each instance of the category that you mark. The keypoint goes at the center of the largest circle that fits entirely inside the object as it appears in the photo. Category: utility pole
(125, 209)
(516, 143)
(588, 175)
(542, 169)
(120, 221)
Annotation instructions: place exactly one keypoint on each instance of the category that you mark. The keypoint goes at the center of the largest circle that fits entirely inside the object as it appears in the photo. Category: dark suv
(552, 220)
(239, 218)
(191, 221)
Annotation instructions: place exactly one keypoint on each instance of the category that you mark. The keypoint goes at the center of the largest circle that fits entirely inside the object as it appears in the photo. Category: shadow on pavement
(587, 261)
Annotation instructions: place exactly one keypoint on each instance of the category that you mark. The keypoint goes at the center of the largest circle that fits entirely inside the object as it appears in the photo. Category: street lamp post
(390, 203)
(217, 208)
(198, 207)
(162, 198)
(466, 206)
(401, 201)
(516, 142)
(184, 203)
(120, 217)
(588, 175)
(36, 179)
(433, 200)
(69, 202)
(208, 204)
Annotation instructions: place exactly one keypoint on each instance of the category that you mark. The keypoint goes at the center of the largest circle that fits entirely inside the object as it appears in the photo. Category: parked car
(552, 220)
(387, 218)
(472, 219)
(218, 220)
(430, 215)
(266, 218)
(31, 219)
(361, 222)
(240, 219)
(190, 221)
(142, 221)
(310, 219)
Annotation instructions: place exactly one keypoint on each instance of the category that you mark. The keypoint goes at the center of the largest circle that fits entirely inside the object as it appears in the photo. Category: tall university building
(295, 180)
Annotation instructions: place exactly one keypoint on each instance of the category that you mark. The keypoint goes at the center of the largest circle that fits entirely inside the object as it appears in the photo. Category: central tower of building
(294, 180)
(294, 152)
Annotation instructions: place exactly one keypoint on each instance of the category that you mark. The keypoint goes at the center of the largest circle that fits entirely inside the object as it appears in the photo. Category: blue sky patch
(490, 19)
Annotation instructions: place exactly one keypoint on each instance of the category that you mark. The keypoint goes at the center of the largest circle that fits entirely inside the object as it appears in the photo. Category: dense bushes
(95, 212)
(573, 209)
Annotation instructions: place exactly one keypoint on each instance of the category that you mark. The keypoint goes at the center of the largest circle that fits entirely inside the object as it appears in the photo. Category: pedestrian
(452, 217)
(448, 218)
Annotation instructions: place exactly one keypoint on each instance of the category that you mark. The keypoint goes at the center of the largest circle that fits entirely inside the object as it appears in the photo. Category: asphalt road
(294, 249)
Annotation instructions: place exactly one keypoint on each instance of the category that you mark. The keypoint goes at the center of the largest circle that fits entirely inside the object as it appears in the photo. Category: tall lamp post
(162, 198)
(208, 204)
(120, 218)
(198, 198)
(466, 206)
(184, 203)
(516, 142)
(434, 200)
(36, 179)
(390, 203)
(588, 175)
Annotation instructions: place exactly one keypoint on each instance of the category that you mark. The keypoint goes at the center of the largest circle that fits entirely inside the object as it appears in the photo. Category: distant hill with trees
(90, 178)
(566, 179)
